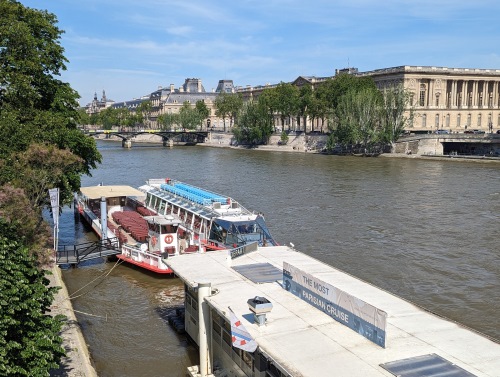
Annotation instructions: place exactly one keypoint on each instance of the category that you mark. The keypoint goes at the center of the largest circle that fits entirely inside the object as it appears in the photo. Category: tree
(222, 107)
(357, 119)
(203, 111)
(254, 124)
(287, 101)
(189, 118)
(35, 105)
(269, 101)
(143, 112)
(395, 101)
(16, 210)
(228, 105)
(168, 121)
(29, 340)
(331, 91)
(305, 102)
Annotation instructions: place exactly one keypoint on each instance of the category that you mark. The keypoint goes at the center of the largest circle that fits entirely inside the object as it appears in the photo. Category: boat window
(162, 206)
(168, 229)
(217, 232)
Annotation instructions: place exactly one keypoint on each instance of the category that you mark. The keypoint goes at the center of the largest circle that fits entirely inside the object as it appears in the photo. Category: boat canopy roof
(97, 192)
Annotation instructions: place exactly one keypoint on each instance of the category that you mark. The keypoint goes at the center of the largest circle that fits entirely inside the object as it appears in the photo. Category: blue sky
(131, 47)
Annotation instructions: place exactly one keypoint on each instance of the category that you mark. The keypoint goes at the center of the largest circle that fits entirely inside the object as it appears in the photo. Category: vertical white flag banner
(240, 336)
(54, 202)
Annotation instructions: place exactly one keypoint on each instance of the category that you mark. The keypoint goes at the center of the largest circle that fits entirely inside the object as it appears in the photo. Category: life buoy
(154, 241)
(169, 238)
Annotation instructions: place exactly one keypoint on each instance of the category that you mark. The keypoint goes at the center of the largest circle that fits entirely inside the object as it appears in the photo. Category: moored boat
(167, 218)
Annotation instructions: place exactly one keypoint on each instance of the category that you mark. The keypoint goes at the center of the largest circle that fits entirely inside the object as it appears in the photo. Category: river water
(425, 230)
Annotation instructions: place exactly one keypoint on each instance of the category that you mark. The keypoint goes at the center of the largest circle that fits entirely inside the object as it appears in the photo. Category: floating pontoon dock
(295, 338)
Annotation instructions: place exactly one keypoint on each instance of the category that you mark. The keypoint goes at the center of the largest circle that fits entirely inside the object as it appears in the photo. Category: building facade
(169, 100)
(451, 99)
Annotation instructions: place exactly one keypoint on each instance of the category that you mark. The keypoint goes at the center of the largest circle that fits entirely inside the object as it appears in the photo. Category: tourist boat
(166, 218)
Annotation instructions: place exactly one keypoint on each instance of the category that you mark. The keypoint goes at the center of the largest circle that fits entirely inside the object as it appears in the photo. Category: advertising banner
(350, 311)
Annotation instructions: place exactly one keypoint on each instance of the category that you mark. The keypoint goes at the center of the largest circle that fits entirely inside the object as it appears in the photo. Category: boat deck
(305, 341)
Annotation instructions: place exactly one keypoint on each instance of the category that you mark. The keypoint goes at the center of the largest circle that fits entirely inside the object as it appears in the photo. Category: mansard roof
(181, 97)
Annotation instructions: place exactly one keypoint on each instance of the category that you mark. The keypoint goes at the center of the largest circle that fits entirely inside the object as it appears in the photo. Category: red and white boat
(166, 218)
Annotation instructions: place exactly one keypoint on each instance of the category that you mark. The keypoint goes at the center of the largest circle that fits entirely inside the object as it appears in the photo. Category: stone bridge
(168, 137)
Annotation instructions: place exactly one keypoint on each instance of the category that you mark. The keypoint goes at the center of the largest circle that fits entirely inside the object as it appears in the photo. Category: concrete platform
(307, 342)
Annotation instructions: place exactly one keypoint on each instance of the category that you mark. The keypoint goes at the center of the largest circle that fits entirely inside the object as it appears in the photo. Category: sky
(130, 48)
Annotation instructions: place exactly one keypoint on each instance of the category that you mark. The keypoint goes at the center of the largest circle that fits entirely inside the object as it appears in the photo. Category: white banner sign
(54, 202)
(352, 312)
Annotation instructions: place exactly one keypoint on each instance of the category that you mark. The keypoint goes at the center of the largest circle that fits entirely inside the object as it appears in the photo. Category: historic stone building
(452, 99)
(96, 105)
(169, 100)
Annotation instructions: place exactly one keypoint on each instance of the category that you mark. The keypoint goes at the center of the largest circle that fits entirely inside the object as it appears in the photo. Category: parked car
(442, 131)
(498, 132)
(479, 131)
(468, 132)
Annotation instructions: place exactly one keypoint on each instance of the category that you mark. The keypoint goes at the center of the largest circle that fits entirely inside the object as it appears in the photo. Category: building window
(490, 100)
(469, 119)
(480, 99)
(498, 121)
(424, 120)
(437, 99)
(448, 121)
(458, 120)
(469, 99)
(436, 121)
(422, 95)
(479, 120)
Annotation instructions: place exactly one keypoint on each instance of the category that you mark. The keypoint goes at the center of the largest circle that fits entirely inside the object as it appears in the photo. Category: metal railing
(74, 254)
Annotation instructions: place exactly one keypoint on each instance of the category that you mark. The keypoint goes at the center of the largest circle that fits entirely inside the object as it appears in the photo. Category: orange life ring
(169, 238)
(154, 240)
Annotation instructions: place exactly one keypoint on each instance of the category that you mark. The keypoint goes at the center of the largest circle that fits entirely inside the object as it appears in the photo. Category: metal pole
(204, 290)
(104, 219)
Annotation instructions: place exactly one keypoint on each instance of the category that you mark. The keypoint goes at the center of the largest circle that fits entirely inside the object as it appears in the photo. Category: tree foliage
(35, 106)
(41, 147)
(203, 111)
(228, 105)
(368, 119)
(189, 117)
(29, 340)
(287, 101)
(254, 124)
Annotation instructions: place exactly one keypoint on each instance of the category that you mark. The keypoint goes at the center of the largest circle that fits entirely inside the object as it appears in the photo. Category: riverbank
(304, 144)
(77, 362)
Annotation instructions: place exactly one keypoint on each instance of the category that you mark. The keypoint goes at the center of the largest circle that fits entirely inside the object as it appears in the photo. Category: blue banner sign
(350, 311)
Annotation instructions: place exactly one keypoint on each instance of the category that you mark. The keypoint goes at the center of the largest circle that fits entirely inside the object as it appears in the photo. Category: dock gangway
(74, 254)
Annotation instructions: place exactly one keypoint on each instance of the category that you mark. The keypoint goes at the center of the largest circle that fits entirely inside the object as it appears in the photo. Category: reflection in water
(424, 230)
